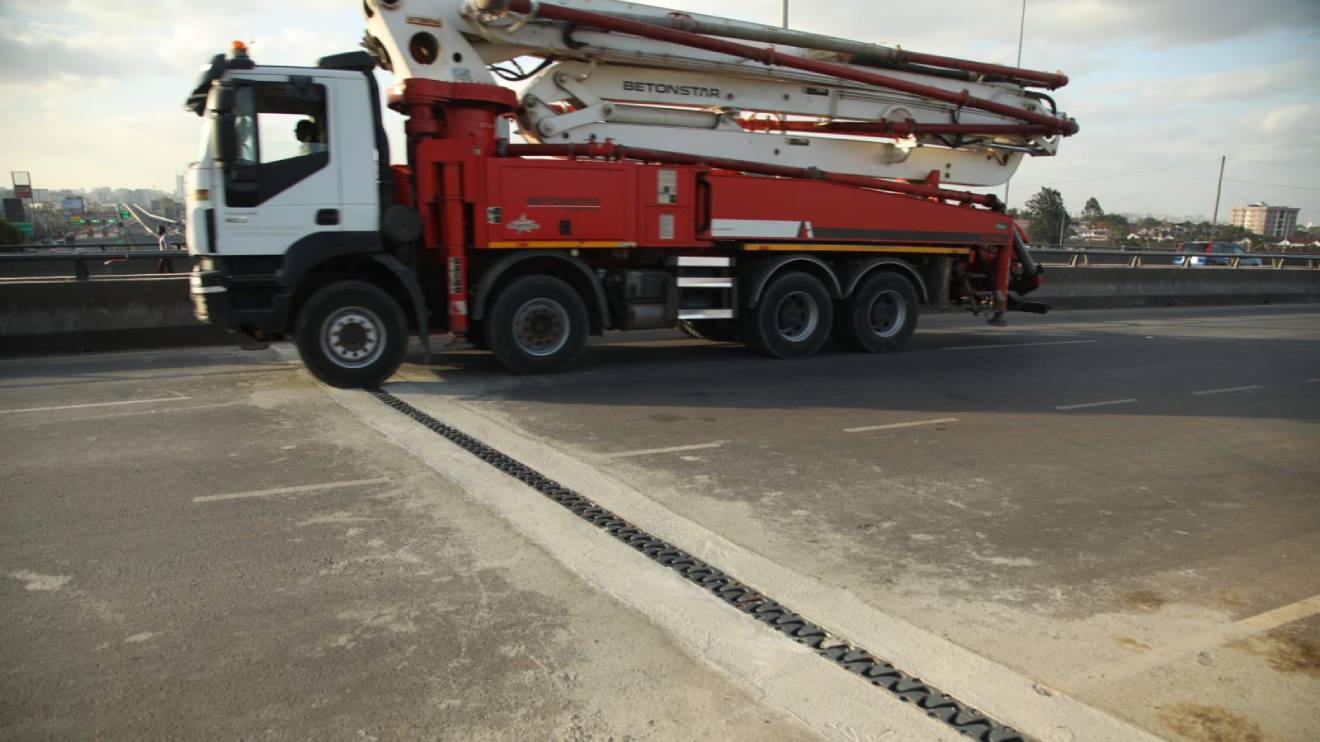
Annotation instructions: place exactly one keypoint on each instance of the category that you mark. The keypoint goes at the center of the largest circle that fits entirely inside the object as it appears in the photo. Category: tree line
(1049, 222)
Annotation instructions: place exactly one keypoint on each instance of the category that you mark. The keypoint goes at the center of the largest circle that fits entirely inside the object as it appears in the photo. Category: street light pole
(785, 13)
(1022, 27)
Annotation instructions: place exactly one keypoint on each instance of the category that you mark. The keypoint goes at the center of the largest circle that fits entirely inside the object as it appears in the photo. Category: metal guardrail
(80, 255)
(1083, 257)
(80, 258)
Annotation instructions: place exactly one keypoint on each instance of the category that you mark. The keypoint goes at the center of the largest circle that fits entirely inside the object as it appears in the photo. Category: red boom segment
(610, 150)
(895, 128)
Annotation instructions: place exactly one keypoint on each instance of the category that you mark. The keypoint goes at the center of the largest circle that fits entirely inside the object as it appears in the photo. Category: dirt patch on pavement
(1285, 650)
(1208, 723)
(1128, 642)
(1143, 600)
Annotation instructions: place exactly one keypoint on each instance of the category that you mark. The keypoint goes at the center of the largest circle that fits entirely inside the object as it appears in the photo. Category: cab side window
(283, 138)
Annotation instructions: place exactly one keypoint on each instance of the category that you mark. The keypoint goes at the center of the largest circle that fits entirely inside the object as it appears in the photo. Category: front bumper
(210, 297)
(254, 304)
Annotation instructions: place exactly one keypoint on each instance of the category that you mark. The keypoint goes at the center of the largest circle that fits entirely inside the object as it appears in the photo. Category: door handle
(236, 219)
(327, 217)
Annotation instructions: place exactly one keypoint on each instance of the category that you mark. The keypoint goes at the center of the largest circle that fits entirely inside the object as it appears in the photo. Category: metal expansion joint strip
(937, 704)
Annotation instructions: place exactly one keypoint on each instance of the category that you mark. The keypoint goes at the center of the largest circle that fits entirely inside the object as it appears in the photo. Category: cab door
(283, 186)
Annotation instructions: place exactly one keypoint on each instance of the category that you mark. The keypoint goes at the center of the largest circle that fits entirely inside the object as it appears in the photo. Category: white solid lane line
(179, 398)
(1313, 381)
(1227, 390)
(300, 489)
(671, 449)
(1106, 403)
(895, 426)
(1020, 345)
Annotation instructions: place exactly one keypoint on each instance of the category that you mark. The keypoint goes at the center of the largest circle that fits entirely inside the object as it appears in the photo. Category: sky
(92, 91)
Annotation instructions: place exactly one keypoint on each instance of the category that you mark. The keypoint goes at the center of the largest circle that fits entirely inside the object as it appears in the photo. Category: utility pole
(1022, 27)
(1214, 220)
(785, 14)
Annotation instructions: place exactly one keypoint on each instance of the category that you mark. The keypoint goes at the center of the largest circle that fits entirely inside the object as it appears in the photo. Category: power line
(1272, 185)
(1276, 164)
(1132, 172)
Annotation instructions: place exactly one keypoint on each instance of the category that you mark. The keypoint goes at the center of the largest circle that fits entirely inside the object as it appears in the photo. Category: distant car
(1213, 253)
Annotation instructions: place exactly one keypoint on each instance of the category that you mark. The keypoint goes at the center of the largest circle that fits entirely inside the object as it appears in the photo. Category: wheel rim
(541, 327)
(887, 313)
(797, 316)
(353, 337)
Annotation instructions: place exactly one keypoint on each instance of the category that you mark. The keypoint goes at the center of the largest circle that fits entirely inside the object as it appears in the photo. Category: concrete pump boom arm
(652, 78)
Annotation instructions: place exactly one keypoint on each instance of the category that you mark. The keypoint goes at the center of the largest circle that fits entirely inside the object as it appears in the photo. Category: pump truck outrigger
(737, 180)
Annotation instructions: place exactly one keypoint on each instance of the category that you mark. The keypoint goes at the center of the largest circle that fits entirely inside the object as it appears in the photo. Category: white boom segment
(599, 85)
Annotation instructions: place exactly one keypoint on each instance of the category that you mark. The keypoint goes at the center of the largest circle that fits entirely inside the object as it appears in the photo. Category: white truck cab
(293, 175)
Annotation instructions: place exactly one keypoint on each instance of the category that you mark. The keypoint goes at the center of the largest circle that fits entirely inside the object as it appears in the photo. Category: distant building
(1266, 220)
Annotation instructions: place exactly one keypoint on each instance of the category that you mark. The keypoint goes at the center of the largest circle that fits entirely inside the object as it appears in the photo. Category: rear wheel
(537, 325)
(351, 334)
(793, 318)
(881, 314)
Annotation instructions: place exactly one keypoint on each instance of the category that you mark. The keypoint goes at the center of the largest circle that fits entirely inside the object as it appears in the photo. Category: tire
(537, 325)
(351, 334)
(714, 330)
(793, 318)
(880, 316)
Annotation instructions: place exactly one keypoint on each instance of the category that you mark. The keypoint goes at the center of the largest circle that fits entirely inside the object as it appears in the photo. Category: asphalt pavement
(1091, 525)
(203, 545)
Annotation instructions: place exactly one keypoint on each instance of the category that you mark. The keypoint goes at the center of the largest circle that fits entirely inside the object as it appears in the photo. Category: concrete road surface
(203, 545)
(1094, 525)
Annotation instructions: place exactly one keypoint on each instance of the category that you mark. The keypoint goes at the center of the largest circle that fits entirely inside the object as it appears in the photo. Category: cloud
(1167, 22)
(1292, 120)
(1255, 82)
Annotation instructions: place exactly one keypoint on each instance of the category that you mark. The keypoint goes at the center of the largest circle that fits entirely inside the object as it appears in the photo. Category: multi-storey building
(1266, 220)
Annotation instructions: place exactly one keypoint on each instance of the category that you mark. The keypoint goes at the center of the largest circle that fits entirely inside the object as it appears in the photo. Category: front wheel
(351, 334)
(537, 325)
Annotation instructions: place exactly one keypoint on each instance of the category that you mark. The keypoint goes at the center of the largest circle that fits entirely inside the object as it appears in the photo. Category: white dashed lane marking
(896, 426)
(1107, 403)
(1227, 390)
(1020, 345)
(671, 449)
(297, 490)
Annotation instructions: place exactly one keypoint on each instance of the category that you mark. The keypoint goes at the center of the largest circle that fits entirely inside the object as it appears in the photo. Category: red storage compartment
(556, 201)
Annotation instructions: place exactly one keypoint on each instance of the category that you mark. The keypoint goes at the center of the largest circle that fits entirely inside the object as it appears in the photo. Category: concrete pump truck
(658, 169)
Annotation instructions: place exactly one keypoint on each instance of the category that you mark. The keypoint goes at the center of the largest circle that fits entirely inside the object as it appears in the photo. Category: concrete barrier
(65, 315)
(108, 313)
(1113, 287)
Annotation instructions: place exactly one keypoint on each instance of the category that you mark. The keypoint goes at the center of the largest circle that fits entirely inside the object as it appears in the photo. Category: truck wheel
(538, 325)
(352, 334)
(714, 330)
(881, 314)
(793, 319)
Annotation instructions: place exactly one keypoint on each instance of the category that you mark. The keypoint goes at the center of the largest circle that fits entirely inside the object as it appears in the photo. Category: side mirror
(224, 135)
